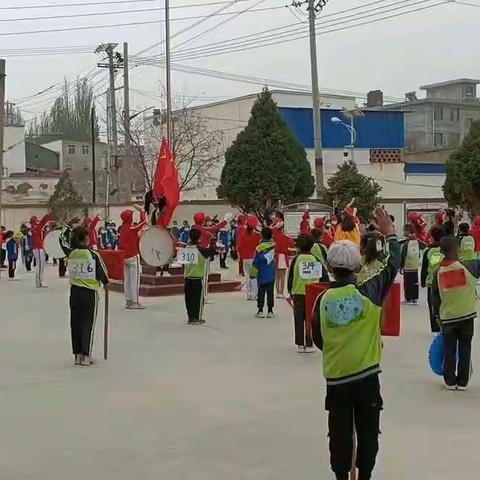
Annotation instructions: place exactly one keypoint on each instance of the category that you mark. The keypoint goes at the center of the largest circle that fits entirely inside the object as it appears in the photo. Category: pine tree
(266, 164)
(347, 183)
(64, 199)
(462, 184)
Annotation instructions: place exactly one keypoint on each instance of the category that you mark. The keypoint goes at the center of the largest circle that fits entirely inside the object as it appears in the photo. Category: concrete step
(167, 290)
(172, 279)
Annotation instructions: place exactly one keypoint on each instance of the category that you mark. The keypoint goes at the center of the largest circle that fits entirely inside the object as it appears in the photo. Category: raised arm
(95, 222)
(143, 222)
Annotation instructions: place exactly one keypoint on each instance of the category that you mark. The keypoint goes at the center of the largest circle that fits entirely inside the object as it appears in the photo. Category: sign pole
(106, 323)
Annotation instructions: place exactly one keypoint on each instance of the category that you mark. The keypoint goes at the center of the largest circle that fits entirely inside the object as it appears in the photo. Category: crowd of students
(357, 264)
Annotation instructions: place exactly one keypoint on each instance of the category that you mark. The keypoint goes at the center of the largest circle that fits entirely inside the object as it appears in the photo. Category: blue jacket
(12, 250)
(27, 245)
(184, 235)
(264, 262)
(224, 238)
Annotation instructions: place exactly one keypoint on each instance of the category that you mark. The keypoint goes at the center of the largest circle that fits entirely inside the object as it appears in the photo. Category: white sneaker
(300, 349)
(136, 306)
(86, 361)
(451, 388)
(260, 315)
(310, 350)
(462, 389)
(270, 315)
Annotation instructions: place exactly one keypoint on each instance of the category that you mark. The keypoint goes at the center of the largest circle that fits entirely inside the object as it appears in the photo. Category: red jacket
(475, 232)
(327, 239)
(129, 240)
(283, 245)
(38, 231)
(206, 233)
(91, 225)
(248, 244)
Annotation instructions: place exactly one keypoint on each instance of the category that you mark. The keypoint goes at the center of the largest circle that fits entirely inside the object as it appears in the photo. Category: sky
(437, 42)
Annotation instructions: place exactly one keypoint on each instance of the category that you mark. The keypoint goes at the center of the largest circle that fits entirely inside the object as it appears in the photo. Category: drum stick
(353, 472)
(105, 325)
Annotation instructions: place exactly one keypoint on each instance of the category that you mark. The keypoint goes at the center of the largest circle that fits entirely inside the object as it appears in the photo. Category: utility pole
(317, 126)
(2, 125)
(126, 104)
(94, 159)
(114, 62)
(168, 72)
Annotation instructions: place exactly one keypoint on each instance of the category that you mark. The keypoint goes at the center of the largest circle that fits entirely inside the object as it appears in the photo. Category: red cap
(199, 218)
(319, 222)
(252, 221)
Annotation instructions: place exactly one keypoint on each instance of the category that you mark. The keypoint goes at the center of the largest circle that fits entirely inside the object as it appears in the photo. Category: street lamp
(351, 129)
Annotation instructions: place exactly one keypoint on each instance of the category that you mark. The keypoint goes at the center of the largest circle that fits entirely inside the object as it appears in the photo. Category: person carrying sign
(304, 269)
(87, 273)
(194, 258)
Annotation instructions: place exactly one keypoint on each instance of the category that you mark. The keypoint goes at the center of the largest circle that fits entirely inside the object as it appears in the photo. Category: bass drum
(157, 246)
(52, 244)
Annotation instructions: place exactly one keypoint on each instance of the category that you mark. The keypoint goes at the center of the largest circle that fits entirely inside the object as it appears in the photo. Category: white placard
(310, 270)
(188, 256)
(82, 269)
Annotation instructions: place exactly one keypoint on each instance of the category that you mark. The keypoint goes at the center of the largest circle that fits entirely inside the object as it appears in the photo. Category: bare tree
(198, 148)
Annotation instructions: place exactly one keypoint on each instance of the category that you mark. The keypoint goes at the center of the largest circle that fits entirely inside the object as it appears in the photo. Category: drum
(157, 246)
(52, 244)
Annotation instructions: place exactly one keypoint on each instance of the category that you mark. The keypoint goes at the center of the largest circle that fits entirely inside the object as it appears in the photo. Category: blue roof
(377, 129)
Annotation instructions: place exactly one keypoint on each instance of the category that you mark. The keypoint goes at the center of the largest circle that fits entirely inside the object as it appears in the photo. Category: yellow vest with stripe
(83, 256)
(467, 248)
(197, 270)
(412, 257)
(458, 292)
(299, 283)
(434, 257)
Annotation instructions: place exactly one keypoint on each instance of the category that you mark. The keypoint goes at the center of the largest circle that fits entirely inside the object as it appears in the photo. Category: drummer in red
(129, 242)
(91, 225)
(38, 233)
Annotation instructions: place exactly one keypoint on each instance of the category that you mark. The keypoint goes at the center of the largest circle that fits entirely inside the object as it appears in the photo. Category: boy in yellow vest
(467, 243)
(410, 264)
(455, 301)
(432, 257)
(347, 328)
(194, 258)
(304, 269)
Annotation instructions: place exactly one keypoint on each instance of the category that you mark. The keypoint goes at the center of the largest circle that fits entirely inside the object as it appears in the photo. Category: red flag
(166, 183)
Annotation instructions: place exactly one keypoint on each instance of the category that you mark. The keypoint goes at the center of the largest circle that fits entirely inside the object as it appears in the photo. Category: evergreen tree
(347, 183)
(462, 184)
(64, 199)
(266, 164)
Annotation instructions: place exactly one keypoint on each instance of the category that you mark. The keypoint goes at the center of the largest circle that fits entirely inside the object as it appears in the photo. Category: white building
(14, 160)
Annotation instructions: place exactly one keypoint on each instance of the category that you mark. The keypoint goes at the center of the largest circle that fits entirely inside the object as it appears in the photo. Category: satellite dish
(157, 246)
(52, 244)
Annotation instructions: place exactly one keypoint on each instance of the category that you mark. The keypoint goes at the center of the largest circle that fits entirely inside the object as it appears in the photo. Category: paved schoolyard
(232, 400)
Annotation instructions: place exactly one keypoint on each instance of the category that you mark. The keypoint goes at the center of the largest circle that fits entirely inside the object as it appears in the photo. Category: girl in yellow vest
(410, 264)
(371, 262)
(454, 297)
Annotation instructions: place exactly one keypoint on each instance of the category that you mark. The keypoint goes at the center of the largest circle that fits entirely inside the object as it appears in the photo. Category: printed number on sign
(310, 270)
(187, 256)
(82, 269)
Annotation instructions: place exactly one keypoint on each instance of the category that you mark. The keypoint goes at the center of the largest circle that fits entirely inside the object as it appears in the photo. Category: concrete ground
(229, 400)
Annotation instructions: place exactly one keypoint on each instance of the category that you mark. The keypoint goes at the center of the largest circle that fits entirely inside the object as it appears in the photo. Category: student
(467, 243)
(247, 245)
(175, 230)
(87, 273)
(38, 234)
(325, 232)
(475, 232)
(371, 250)
(91, 225)
(184, 233)
(455, 301)
(263, 268)
(304, 269)
(432, 257)
(195, 277)
(224, 240)
(410, 264)
(318, 249)
(129, 242)
(27, 249)
(283, 246)
(348, 228)
(12, 253)
(346, 327)
(3, 248)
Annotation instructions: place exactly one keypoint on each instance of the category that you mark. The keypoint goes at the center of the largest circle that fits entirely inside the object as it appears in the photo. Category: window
(438, 113)
(454, 115)
(85, 149)
(438, 140)
(71, 149)
(470, 91)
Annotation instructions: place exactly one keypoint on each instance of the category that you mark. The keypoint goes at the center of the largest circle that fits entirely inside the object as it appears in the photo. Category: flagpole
(168, 72)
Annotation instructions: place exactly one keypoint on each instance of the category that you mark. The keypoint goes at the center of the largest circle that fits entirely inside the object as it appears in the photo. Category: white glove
(228, 217)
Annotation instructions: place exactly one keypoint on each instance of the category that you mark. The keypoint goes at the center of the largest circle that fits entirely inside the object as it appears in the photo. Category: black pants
(354, 404)
(458, 335)
(302, 335)
(28, 262)
(12, 265)
(83, 310)
(3, 256)
(435, 327)
(268, 289)
(223, 260)
(194, 298)
(62, 267)
(410, 285)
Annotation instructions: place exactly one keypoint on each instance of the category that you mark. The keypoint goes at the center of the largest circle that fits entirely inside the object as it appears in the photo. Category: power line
(141, 10)
(83, 4)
